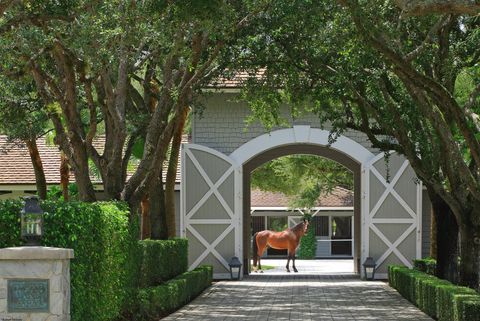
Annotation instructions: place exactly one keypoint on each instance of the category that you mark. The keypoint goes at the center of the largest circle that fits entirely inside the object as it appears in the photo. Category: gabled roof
(340, 197)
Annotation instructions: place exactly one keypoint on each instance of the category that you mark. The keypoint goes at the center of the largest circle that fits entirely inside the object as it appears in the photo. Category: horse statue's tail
(255, 250)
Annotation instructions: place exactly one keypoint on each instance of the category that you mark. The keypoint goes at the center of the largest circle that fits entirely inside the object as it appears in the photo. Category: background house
(332, 220)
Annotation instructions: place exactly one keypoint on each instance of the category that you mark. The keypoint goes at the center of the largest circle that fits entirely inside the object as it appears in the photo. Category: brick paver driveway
(299, 297)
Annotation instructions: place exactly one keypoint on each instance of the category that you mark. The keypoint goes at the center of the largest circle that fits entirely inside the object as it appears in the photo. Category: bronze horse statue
(287, 239)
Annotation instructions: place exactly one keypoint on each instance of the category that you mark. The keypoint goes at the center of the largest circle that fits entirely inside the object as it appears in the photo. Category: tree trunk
(145, 226)
(158, 224)
(469, 255)
(447, 239)
(64, 175)
(172, 174)
(40, 180)
(433, 235)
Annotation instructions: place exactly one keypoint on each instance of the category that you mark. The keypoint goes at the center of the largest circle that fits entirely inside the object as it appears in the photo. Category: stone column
(35, 284)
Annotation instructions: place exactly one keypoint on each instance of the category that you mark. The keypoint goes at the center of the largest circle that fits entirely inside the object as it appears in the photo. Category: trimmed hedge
(103, 240)
(156, 302)
(162, 260)
(308, 245)
(427, 265)
(438, 298)
(111, 266)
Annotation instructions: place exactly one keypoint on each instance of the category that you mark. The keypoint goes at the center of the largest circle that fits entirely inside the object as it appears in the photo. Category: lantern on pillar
(31, 220)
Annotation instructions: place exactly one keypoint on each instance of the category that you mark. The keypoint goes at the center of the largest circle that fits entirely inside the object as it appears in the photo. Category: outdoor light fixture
(235, 268)
(31, 220)
(369, 268)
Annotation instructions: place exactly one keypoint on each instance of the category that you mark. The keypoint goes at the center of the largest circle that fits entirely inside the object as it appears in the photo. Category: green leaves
(103, 241)
(308, 245)
(302, 177)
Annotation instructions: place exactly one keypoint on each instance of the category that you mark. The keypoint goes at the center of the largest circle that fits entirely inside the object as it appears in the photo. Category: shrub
(10, 223)
(155, 302)
(427, 265)
(100, 235)
(154, 255)
(467, 307)
(308, 245)
(438, 298)
(445, 300)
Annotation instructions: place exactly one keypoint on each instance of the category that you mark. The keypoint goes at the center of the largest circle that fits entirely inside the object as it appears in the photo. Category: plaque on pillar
(35, 283)
(28, 295)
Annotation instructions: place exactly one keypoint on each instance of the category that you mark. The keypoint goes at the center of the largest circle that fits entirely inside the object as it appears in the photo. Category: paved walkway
(311, 267)
(276, 295)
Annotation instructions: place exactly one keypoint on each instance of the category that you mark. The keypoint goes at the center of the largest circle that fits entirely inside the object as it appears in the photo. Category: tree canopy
(411, 83)
(302, 177)
(132, 67)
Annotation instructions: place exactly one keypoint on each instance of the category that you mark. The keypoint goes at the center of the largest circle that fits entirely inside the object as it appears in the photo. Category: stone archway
(302, 148)
(214, 192)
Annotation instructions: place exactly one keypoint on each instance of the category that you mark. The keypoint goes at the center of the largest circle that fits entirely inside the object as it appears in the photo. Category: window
(277, 223)
(320, 224)
(341, 227)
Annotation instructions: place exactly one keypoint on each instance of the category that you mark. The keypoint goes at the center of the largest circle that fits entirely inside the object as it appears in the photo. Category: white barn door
(210, 218)
(392, 212)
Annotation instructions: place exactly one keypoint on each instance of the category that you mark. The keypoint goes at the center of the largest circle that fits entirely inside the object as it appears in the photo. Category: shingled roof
(16, 167)
(235, 81)
(340, 197)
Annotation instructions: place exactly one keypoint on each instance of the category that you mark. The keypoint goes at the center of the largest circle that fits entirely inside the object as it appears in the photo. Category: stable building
(391, 210)
(332, 220)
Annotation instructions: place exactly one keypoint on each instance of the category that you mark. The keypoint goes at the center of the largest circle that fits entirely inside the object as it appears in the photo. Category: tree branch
(428, 39)
(421, 7)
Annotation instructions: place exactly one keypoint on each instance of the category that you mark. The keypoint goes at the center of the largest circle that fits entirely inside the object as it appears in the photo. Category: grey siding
(221, 124)
(323, 249)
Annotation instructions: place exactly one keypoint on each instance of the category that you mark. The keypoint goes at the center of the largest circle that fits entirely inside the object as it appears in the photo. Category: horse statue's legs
(293, 259)
(291, 256)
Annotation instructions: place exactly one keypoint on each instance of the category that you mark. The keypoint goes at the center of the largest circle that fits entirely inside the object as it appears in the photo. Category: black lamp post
(369, 268)
(235, 268)
(31, 220)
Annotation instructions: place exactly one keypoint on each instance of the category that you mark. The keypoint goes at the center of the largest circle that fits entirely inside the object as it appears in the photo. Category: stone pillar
(35, 284)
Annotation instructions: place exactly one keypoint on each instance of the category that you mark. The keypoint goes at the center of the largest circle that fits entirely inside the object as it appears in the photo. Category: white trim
(419, 219)
(392, 220)
(390, 189)
(190, 221)
(381, 276)
(392, 247)
(183, 198)
(210, 248)
(225, 276)
(300, 135)
(238, 204)
(416, 216)
(284, 208)
(353, 236)
(212, 187)
(364, 219)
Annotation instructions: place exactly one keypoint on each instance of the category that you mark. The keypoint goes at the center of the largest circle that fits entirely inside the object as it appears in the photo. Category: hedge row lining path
(300, 297)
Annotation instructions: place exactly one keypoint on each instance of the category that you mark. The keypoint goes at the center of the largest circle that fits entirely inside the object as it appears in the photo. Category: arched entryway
(310, 149)
(215, 197)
